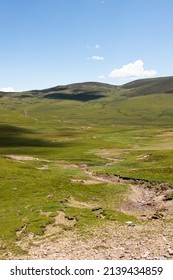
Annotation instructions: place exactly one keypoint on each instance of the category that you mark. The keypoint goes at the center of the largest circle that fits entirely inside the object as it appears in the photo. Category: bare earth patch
(79, 204)
(85, 182)
(44, 167)
(54, 228)
(151, 240)
(24, 158)
(20, 158)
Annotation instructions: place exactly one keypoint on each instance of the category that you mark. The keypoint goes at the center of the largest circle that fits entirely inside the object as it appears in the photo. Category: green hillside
(62, 148)
(150, 86)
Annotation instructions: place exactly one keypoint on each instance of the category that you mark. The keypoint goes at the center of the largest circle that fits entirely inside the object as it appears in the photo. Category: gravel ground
(152, 239)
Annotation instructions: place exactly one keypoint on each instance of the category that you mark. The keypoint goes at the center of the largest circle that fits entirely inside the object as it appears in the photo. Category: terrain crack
(144, 194)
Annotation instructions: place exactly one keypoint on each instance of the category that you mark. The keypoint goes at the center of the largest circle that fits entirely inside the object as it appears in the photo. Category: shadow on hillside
(13, 136)
(83, 96)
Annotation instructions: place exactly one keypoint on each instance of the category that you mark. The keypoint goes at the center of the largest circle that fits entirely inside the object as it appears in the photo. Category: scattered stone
(130, 224)
(50, 196)
(157, 215)
(64, 201)
(145, 255)
(122, 256)
(70, 218)
(95, 198)
(100, 216)
(97, 209)
(170, 251)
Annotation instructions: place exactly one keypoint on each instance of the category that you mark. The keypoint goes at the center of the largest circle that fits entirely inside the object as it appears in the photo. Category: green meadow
(48, 138)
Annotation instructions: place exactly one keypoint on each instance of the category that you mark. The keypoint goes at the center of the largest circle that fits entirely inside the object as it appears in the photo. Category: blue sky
(45, 43)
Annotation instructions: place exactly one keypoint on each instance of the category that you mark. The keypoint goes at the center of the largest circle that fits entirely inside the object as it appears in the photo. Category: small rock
(170, 251)
(50, 196)
(98, 216)
(63, 201)
(157, 216)
(97, 209)
(70, 218)
(130, 224)
(145, 255)
(122, 256)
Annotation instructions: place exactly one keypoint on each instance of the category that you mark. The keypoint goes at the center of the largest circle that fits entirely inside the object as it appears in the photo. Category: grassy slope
(150, 86)
(137, 129)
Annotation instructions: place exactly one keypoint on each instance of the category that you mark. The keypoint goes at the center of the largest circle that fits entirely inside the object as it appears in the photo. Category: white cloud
(96, 57)
(97, 46)
(7, 89)
(132, 70)
(101, 77)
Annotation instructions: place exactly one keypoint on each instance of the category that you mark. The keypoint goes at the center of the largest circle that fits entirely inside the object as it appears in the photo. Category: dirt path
(141, 197)
(25, 158)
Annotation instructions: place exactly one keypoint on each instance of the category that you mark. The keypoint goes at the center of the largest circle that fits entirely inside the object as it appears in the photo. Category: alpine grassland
(61, 150)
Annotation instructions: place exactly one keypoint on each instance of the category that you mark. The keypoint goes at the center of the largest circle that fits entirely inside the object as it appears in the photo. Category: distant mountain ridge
(87, 91)
(150, 86)
(144, 101)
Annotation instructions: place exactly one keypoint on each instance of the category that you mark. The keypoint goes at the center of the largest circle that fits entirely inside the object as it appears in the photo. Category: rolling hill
(150, 86)
(87, 91)
(143, 101)
(85, 157)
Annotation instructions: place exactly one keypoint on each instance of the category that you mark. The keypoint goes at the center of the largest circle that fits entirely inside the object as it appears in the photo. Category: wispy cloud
(96, 57)
(101, 77)
(7, 89)
(97, 46)
(132, 70)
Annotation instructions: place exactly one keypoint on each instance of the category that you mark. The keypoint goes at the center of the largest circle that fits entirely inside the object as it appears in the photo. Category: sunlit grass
(137, 131)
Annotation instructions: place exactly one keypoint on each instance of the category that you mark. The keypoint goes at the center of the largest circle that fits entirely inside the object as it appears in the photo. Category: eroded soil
(150, 238)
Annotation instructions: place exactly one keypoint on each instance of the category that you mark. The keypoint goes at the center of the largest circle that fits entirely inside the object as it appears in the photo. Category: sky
(45, 43)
